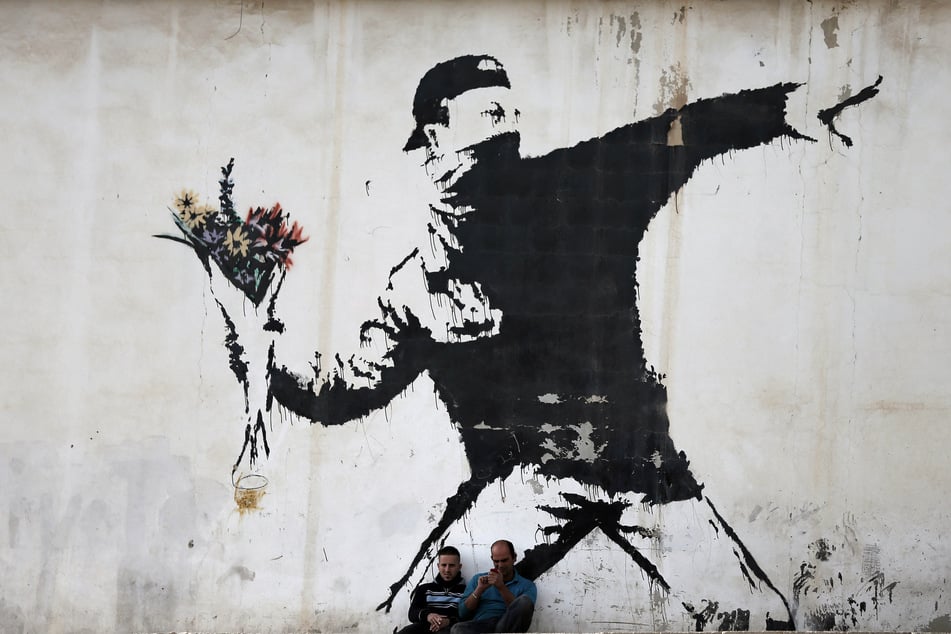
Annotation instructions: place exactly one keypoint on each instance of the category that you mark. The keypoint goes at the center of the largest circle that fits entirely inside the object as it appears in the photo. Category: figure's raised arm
(709, 127)
(642, 164)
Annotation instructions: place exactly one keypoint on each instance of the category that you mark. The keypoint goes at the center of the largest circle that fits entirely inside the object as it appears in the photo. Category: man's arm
(531, 591)
(504, 592)
(470, 598)
(418, 607)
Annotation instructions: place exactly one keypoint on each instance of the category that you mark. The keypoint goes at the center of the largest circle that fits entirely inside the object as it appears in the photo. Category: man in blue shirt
(500, 600)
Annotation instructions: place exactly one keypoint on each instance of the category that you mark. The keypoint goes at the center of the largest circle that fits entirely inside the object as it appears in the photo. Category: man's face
(503, 561)
(474, 116)
(448, 566)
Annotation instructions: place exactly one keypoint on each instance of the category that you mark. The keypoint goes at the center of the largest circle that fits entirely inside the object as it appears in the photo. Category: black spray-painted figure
(530, 329)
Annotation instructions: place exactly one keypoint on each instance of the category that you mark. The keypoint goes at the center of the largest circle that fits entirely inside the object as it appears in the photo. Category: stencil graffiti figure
(522, 309)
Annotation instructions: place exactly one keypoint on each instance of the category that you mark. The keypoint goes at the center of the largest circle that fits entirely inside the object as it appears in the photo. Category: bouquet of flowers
(247, 252)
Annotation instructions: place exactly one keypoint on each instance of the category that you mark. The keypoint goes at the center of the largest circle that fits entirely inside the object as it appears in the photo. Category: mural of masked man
(522, 309)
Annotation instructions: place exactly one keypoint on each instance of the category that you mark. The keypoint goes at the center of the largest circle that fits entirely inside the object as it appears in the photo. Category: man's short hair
(447, 80)
(510, 545)
(448, 550)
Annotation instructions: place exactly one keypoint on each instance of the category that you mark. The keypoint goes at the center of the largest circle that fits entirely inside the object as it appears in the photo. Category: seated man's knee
(518, 616)
(523, 604)
(524, 601)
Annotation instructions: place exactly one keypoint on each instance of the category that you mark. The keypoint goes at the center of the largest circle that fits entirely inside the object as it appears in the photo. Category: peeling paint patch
(675, 135)
(830, 28)
(636, 37)
(537, 487)
(940, 624)
(621, 28)
(674, 86)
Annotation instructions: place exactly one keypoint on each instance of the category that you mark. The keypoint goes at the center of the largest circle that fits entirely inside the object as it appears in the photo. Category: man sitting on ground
(435, 606)
(500, 600)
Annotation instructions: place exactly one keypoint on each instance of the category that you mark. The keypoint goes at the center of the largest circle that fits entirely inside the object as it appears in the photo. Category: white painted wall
(797, 298)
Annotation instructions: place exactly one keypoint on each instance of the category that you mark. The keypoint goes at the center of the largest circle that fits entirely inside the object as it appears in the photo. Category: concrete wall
(794, 297)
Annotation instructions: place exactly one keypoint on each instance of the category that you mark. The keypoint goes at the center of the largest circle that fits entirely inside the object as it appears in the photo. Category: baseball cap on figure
(448, 80)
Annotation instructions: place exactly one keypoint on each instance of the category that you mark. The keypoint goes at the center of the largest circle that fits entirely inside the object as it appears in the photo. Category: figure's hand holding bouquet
(252, 256)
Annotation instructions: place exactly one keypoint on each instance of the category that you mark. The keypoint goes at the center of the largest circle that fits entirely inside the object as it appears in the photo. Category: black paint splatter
(828, 600)
(496, 113)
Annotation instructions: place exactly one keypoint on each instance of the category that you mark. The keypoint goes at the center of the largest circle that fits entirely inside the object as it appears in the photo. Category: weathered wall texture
(794, 299)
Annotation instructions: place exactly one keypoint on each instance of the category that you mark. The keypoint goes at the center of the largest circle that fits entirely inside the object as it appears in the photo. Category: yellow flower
(237, 241)
(196, 215)
(185, 201)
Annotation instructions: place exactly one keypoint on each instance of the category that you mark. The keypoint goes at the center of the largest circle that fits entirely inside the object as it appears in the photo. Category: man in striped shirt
(435, 605)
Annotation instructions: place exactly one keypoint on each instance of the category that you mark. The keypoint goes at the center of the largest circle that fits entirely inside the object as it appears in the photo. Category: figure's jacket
(561, 383)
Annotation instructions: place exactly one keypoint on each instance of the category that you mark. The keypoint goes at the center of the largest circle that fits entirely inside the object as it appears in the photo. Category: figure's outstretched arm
(709, 127)
(642, 164)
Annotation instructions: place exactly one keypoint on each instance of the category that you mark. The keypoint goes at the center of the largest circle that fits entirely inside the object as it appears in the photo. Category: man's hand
(494, 578)
(484, 582)
(437, 622)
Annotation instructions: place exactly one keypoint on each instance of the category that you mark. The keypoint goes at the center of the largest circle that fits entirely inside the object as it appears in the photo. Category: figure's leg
(613, 532)
(457, 505)
(752, 569)
(543, 557)
(583, 516)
